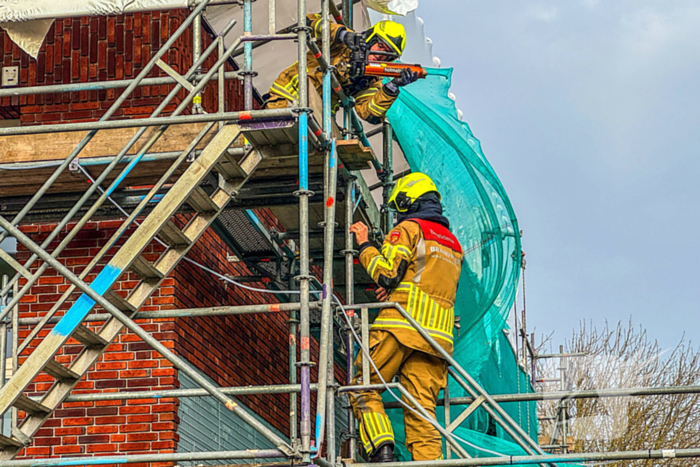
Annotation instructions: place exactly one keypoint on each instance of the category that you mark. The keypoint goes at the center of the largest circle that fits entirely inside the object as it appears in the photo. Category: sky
(588, 110)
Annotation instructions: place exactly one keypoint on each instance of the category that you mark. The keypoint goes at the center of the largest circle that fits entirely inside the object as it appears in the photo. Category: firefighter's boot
(383, 454)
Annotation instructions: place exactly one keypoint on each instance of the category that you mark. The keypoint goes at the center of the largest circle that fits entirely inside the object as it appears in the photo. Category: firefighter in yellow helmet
(418, 266)
(385, 42)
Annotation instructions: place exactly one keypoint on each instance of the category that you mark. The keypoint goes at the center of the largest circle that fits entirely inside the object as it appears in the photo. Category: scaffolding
(223, 160)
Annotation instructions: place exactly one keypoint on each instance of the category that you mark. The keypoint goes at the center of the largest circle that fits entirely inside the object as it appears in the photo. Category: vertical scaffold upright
(224, 166)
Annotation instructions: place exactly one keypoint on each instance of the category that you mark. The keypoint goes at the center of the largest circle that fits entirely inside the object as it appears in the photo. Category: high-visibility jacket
(419, 264)
(371, 100)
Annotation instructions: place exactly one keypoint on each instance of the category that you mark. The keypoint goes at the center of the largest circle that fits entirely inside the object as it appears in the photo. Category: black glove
(352, 40)
(407, 77)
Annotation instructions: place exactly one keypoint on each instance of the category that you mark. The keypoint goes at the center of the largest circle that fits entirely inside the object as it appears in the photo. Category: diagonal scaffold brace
(179, 363)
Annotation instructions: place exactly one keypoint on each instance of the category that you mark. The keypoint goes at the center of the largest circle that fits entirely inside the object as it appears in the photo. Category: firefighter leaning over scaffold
(418, 266)
(383, 42)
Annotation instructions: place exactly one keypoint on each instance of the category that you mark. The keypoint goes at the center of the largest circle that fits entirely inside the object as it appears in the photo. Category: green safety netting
(438, 144)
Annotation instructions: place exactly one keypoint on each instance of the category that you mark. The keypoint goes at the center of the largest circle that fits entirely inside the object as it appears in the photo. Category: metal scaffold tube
(101, 85)
(293, 402)
(105, 160)
(221, 79)
(304, 272)
(248, 55)
(196, 53)
(15, 350)
(347, 13)
(143, 458)
(447, 416)
(550, 459)
(387, 175)
(189, 312)
(350, 299)
(583, 394)
(3, 347)
(269, 114)
(234, 391)
(325, 373)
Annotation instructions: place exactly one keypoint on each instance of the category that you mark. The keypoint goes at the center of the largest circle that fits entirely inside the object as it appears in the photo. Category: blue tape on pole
(124, 174)
(248, 27)
(303, 151)
(334, 156)
(83, 461)
(327, 103)
(75, 315)
(318, 428)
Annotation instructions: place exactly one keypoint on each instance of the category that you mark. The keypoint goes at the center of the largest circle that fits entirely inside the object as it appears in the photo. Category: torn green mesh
(438, 144)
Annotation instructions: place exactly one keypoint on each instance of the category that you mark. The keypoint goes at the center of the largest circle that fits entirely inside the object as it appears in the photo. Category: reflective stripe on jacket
(375, 431)
(419, 264)
(371, 102)
(438, 321)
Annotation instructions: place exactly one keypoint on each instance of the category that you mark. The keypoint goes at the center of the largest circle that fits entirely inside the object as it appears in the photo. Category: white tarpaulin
(392, 7)
(13, 11)
(28, 35)
(28, 21)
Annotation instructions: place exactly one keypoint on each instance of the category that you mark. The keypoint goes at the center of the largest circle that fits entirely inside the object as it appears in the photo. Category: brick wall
(231, 350)
(89, 49)
(259, 353)
(107, 427)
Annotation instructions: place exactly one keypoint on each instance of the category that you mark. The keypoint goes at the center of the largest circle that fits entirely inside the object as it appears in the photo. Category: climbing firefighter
(383, 42)
(418, 266)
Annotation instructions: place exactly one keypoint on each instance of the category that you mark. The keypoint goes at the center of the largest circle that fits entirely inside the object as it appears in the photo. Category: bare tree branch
(625, 357)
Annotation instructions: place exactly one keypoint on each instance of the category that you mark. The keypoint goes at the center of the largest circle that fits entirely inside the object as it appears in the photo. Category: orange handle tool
(393, 70)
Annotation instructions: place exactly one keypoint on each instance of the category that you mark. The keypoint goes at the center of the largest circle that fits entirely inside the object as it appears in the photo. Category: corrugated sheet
(206, 425)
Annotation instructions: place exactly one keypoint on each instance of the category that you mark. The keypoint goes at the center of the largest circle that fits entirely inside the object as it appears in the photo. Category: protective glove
(351, 40)
(407, 77)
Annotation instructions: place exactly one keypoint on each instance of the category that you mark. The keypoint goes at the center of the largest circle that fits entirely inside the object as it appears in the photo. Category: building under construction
(184, 287)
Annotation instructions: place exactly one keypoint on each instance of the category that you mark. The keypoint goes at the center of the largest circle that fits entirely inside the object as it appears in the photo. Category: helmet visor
(400, 202)
(384, 55)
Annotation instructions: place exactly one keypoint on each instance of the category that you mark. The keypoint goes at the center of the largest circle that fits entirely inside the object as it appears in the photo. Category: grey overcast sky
(589, 112)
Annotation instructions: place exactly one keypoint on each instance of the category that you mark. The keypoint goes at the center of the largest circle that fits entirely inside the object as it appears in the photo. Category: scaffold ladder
(231, 176)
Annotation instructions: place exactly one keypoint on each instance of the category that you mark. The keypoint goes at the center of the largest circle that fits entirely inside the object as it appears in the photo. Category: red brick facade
(89, 49)
(106, 427)
(258, 355)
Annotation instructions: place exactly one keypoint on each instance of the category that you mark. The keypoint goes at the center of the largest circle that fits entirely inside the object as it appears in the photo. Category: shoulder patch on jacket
(438, 233)
(394, 237)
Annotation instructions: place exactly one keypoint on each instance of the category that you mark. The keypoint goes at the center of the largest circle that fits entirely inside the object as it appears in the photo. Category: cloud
(648, 32)
(543, 13)
(590, 3)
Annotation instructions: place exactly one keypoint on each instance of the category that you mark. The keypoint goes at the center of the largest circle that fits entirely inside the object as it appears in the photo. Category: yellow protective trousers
(423, 375)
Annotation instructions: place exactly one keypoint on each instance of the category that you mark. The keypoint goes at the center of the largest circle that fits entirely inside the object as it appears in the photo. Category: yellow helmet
(408, 189)
(390, 33)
